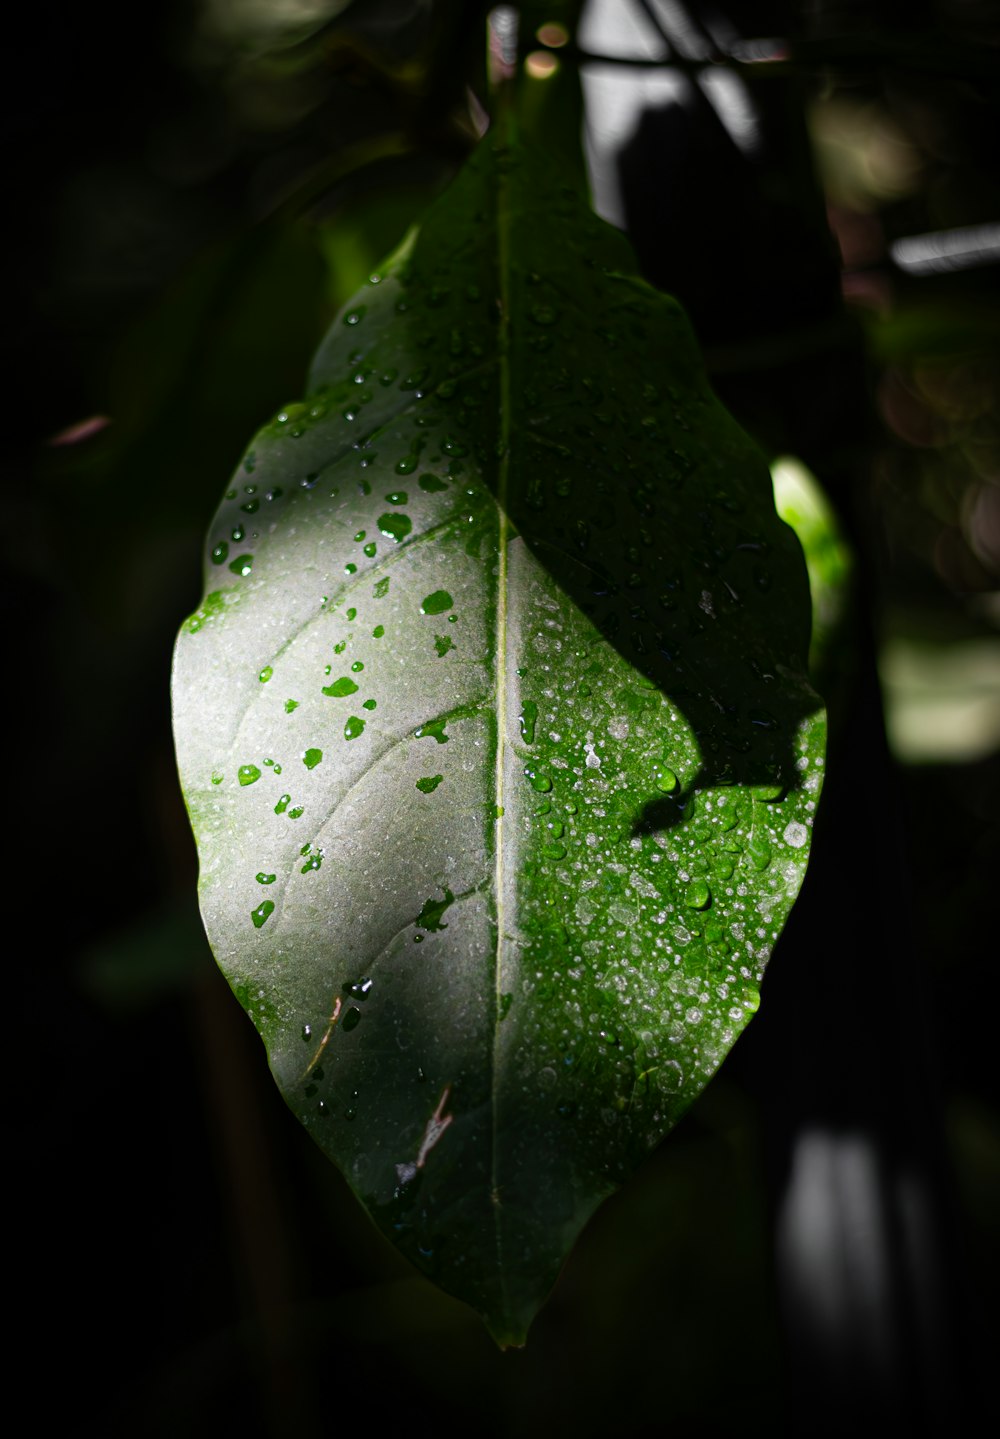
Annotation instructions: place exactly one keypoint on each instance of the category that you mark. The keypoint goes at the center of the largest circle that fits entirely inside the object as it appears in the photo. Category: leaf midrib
(503, 267)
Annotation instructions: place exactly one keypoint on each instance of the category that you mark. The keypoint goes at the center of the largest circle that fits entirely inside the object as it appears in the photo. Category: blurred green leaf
(801, 503)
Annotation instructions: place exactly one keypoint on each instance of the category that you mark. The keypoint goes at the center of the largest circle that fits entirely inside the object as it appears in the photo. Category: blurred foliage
(187, 211)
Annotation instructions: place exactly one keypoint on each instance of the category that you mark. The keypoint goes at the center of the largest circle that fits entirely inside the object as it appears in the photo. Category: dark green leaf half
(494, 733)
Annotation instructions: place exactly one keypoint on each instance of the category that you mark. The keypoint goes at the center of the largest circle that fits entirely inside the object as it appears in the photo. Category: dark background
(192, 196)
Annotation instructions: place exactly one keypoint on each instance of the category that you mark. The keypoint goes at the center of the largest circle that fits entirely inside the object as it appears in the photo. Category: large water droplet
(436, 603)
(397, 527)
(260, 914)
(433, 729)
(430, 917)
(248, 774)
(344, 686)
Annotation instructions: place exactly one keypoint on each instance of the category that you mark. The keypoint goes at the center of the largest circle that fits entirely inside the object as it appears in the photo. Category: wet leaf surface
(494, 733)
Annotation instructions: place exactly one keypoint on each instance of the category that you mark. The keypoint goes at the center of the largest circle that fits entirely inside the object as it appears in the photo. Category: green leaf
(522, 883)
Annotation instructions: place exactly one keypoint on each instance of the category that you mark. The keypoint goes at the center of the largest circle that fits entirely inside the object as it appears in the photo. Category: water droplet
(260, 914)
(352, 614)
(357, 666)
(220, 552)
(265, 674)
(429, 784)
(406, 465)
(263, 878)
(529, 715)
(242, 565)
(369, 704)
(397, 527)
(344, 686)
(312, 757)
(436, 603)
(291, 705)
(433, 729)
(283, 804)
(767, 792)
(380, 588)
(431, 484)
(443, 643)
(354, 317)
(698, 895)
(665, 779)
(238, 534)
(350, 569)
(539, 782)
(378, 632)
(306, 1033)
(354, 727)
(351, 1019)
(296, 813)
(430, 917)
(248, 774)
